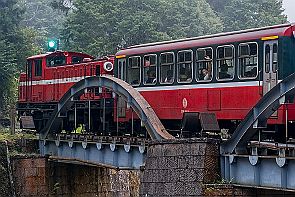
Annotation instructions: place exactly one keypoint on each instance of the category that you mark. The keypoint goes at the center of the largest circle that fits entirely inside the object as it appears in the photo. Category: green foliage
(12, 52)
(101, 27)
(42, 18)
(8, 68)
(10, 15)
(6, 136)
(244, 14)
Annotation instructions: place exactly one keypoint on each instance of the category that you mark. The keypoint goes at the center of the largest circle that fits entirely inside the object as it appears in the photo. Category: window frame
(233, 59)
(197, 67)
(160, 67)
(192, 66)
(139, 82)
(143, 66)
(239, 66)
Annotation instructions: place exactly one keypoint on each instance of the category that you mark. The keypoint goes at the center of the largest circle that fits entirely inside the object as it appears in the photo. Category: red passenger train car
(224, 74)
(49, 76)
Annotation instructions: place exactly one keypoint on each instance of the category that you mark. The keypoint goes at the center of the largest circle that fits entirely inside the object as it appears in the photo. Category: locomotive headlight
(108, 66)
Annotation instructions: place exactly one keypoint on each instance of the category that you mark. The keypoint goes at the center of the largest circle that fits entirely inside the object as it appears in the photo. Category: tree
(244, 14)
(101, 27)
(14, 49)
(42, 18)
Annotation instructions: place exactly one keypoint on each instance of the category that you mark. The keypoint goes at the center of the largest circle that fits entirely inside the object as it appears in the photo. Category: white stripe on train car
(154, 88)
(53, 81)
(199, 86)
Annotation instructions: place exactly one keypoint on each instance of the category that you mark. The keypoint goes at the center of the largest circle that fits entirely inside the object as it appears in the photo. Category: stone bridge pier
(180, 167)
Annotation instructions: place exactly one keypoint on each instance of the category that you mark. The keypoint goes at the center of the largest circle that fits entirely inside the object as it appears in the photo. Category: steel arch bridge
(142, 108)
(112, 152)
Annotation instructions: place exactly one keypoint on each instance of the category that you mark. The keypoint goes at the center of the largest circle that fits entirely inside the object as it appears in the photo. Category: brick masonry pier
(37, 177)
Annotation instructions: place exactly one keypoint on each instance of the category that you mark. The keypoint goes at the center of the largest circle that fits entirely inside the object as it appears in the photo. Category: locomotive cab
(49, 76)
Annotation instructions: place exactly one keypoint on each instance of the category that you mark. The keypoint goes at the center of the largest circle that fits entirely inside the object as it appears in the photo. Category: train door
(29, 80)
(56, 76)
(121, 104)
(270, 65)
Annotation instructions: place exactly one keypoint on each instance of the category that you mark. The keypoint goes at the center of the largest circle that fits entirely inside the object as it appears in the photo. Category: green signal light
(51, 44)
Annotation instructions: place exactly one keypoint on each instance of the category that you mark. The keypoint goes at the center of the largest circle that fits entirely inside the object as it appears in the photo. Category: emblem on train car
(184, 103)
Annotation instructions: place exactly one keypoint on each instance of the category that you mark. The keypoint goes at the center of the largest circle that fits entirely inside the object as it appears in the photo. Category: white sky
(289, 6)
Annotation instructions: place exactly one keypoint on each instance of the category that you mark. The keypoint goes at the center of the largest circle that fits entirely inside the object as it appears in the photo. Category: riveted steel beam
(134, 99)
(257, 117)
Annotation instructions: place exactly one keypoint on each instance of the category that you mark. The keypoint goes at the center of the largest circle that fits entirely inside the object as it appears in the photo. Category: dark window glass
(248, 65)
(225, 62)
(76, 59)
(267, 58)
(149, 69)
(134, 70)
(38, 67)
(275, 58)
(167, 68)
(55, 61)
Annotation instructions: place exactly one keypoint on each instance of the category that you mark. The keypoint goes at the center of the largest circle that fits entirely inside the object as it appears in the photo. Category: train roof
(203, 41)
(67, 53)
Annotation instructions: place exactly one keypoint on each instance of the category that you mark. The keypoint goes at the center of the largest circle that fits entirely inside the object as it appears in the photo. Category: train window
(150, 70)
(275, 58)
(38, 67)
(58, 60)
(30, 65)
(267, 58)
(204, 64)
(76, 59)
(122, 69)
(225, 62)
(248, 65)
(134, 70)
(184, 66)
(167, 68)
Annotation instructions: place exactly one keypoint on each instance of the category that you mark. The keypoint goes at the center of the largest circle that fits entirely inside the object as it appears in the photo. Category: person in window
(151, 77)
(223, 74)
(209, 64)
(169, 78)
(206, 74)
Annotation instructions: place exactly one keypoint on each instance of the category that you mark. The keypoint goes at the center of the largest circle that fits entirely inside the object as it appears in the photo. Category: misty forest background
(101, 27)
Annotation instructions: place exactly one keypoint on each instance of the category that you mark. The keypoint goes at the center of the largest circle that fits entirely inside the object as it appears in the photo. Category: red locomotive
(224, 74)
(47, 78)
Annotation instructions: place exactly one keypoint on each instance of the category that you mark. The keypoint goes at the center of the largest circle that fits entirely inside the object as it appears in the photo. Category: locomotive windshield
(57, 60)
